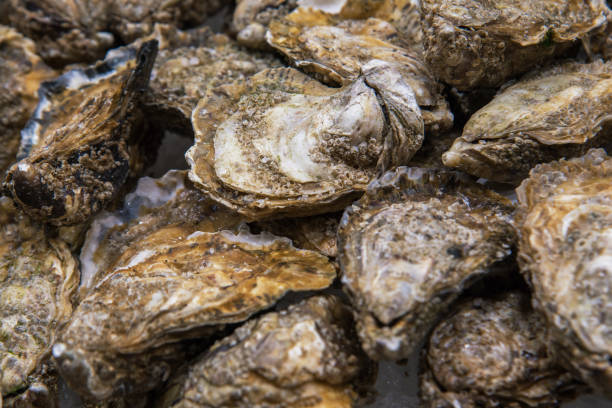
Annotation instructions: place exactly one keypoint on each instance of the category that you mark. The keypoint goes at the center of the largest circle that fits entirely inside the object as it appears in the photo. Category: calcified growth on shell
(559, 112)
(493, 352)
(566, 254)
(281, 143)
(307, 355)
(476, 43)
(77, 149)
(176, 283)
(410, 245)
(38, 278)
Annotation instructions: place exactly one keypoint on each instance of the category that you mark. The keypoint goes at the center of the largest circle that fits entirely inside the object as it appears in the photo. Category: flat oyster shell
(410, 245)
(75, 153)
(38, 278)
(476, 43)
(566, 255)
(559, 112)
(176, 283)
(490, 353)
(283, 144)
(21, 72)
(307, 355)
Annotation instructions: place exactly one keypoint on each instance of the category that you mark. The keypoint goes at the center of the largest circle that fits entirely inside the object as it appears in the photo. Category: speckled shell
(176, 283)
(493, 353)
(559, 112)
(307, 355)
(476, 43)
(566, 254)
(75, 153)
(408, 248)
(283, 144)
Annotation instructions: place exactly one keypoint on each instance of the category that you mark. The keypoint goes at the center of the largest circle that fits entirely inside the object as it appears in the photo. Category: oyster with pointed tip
(477, 43)
(565, 223)
(283, 144)
(38, 278)
(490, 353)
(559, 112)
(410, 246)
(77, 150)
(306, 355)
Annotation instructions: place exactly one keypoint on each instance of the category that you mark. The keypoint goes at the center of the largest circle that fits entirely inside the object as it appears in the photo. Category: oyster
(410, 245)
(559, 112)
(493, 353)
(252, 17)
(566, 254)
(176, 283)
(306, 355)
(281, 143)
(477, 43)
(77, 149)
(38, 278)
(21, 72)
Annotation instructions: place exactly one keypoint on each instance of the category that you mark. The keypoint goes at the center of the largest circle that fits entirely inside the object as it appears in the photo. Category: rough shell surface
(307, 355)
(410, 245)
(559, 112)
(281, 143)
(75, 151)
(566, 254)
(490, 353)
(475, 43)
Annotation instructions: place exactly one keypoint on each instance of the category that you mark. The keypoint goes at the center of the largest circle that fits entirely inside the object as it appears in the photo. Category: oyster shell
(490, 353)
(566, 254)
(77, 149)
(283, 144)
(410, 245)
(21, 72)
(476, 43)
(306, 355)
(559, 112)
(38, 278)
(252, 17)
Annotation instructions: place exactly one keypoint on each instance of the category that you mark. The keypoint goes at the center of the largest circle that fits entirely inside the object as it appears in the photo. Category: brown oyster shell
(566, 254)
(559, 112)
(283, 144)
(76, 150)
(410, 245)
(476, 43)
(306, 355)
(252, 17)
(174, 284)
(490, 353)
(38, 278)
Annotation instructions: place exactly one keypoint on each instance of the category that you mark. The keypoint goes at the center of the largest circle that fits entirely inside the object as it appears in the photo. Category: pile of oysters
(367, 180)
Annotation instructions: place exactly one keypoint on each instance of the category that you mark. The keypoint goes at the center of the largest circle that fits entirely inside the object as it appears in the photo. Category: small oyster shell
(284, 144)
(21, 72)
(306, 355)
(559, 112)
(176, 283)
(410, 245)
(566, 254)
(252, 17)
(475, 43)
(75, 153)
(38, 278)
(493, 352)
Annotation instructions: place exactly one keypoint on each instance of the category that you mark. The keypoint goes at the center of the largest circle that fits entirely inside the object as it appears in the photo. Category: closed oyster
(176, 283)
(306, 355)
(476, 43)
(77, 149)
(252, 17)
(410, 245)
(566, 254)
(559, 112)
(281, 143)
(493, 353)
(38, 278)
